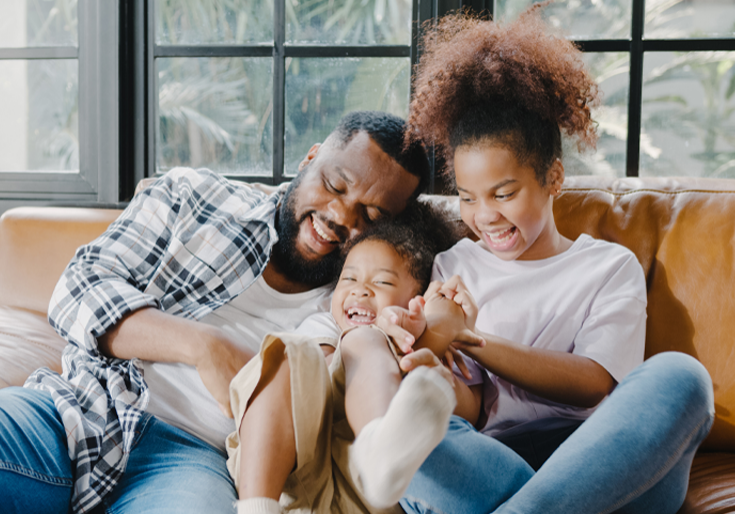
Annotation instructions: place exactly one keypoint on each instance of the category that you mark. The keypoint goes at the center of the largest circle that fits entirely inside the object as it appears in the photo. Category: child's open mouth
(360, 316)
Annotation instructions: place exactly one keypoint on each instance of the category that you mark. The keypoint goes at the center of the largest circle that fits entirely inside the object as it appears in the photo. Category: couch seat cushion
(27, 342)
(711, 484)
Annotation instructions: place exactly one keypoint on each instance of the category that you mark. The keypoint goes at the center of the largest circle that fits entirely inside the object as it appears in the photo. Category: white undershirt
(177, 394)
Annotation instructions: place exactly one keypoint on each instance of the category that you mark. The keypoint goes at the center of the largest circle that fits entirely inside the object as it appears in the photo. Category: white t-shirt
(177, 393)
(589, 300)
(321, 324)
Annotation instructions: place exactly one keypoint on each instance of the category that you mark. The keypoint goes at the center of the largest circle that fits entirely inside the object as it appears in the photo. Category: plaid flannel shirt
(187, 244)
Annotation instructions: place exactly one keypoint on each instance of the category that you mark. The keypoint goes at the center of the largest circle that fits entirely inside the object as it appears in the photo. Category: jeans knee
(686, 380)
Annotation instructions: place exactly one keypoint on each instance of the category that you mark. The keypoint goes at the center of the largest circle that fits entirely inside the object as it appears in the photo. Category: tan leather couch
(682, 230)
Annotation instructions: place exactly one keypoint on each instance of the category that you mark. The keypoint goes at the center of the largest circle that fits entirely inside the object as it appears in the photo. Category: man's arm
(115, 288)
(152, 335)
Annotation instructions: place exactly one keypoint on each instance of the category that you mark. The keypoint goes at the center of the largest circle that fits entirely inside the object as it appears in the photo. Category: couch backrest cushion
(683, 233)
(36, 244)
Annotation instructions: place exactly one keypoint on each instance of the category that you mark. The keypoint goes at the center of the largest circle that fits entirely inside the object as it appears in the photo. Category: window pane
(25, 23)
(367, 22)
(196, 22)
(672, 19)
(611, 72)
(577, 19)
(39, 126)
(320, 91)
(215, 113)
(687, 114)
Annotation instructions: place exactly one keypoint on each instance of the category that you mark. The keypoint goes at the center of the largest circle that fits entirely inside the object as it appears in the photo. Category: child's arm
(447, 321)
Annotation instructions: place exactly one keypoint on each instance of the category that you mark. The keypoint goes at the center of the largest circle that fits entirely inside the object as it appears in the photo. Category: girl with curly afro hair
(564, 320)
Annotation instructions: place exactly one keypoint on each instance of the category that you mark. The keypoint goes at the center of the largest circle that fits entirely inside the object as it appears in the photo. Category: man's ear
(556, 176)
(310, 156)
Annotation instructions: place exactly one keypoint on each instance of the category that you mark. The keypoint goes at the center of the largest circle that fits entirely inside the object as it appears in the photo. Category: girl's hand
(404, 325)
(453, 356)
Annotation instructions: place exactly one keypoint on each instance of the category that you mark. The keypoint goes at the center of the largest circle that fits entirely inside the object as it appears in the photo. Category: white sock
(389, 450)
(258, 506)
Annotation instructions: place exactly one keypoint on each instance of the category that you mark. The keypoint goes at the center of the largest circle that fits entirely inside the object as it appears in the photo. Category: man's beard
(285, 255)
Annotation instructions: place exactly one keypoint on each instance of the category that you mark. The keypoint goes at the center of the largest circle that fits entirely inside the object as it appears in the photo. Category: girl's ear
(556, 177)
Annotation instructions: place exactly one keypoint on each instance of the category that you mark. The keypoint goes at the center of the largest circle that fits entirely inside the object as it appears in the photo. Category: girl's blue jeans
(169, 471)
(632, 456)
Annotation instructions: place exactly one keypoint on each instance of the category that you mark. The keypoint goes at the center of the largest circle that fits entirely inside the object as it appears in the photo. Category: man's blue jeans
(632, 456)
(169, 471)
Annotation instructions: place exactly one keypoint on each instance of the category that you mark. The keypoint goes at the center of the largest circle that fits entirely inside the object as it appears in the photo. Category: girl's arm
(557, 376)
(554, 375)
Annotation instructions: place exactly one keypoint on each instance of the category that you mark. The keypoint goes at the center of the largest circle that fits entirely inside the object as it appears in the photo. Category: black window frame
(95, 182)
(138, 89)
(636, 47)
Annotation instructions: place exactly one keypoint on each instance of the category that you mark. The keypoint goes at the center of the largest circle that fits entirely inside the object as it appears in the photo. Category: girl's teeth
(501, 237)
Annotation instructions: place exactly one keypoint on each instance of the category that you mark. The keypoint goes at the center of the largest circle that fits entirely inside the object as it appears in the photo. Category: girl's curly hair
(514, 83)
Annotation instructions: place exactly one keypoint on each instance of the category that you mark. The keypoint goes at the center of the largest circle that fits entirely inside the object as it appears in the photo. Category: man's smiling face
(340, 190)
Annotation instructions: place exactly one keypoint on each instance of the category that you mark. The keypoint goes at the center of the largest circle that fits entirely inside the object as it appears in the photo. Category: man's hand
(218, 361)
(404, 325)
(151, 335)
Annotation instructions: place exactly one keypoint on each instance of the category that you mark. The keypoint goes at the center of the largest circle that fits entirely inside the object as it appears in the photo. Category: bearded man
(165, 307)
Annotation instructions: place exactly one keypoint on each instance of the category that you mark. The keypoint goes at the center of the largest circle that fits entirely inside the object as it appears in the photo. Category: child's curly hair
(515, 84)
(417, 234)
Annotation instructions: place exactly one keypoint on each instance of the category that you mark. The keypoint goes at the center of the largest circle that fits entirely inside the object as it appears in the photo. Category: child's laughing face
(374, 276)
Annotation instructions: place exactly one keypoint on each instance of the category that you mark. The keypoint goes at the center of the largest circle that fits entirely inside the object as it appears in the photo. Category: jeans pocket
(145, 421)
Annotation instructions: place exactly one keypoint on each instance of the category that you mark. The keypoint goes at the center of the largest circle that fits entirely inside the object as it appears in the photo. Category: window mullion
(279, 88)
(635, 93)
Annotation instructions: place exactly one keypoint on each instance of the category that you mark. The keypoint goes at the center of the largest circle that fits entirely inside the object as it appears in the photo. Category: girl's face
(504, 204)
(374, 276)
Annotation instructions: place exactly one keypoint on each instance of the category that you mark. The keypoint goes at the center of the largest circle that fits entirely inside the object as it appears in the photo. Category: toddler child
(346, 433)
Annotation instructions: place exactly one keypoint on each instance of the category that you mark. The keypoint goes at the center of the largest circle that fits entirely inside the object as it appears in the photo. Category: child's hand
(455, 289)
(404, 325)
(451, 316)
(425, 357)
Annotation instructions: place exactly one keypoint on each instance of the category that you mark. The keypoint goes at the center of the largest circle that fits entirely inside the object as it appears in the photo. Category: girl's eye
(348, 279)
(384, 283)
(505, 196)
(465, 200)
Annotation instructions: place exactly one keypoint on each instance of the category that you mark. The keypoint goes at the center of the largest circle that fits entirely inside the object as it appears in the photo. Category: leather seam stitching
(55, 350)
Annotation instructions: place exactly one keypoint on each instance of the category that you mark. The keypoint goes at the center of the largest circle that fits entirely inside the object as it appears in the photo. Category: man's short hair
(388, 131)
